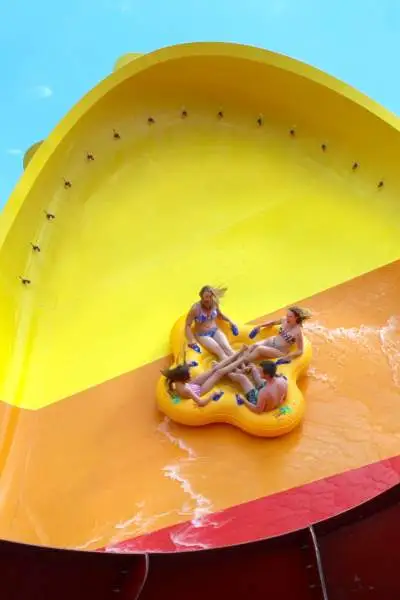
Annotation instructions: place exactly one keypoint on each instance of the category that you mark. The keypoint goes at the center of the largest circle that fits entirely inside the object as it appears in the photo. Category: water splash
(353, 334)
(90, 544)
(164, 429)
(391, 347)
(319, 376)
(387, 337)
(203, 506)
(136, 526)
(140, 521)
(186, 538)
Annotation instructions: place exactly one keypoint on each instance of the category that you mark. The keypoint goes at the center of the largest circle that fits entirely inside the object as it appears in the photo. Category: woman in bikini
(290, 334)
(204, 316)
(180, 382)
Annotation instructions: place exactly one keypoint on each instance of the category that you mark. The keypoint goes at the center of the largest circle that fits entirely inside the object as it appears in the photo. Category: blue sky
(52, 52)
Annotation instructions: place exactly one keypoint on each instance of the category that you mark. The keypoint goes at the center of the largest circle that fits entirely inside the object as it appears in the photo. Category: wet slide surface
(87, 461)
(121, 470)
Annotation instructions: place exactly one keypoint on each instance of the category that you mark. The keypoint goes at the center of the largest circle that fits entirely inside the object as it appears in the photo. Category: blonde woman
(202, 324)
(278, 346)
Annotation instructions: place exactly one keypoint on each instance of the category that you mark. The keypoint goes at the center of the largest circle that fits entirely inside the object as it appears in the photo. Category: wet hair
(268, 367)
(301, 314)
(180, 373)
(216, 292)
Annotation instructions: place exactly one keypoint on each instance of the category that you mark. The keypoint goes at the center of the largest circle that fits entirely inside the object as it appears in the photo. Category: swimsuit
(207, 332)
(203, 318)
(284, 334)
(252, 395)
(195, 388)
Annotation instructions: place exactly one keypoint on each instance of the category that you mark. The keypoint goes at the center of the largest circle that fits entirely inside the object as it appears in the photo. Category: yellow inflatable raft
(226, 410)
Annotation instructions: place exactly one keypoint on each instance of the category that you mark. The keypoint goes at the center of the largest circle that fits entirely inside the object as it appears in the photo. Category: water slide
(195, 164)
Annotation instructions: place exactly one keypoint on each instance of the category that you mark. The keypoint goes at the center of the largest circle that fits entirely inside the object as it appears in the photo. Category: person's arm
(299, 348)
(270, 323)
(200, 401)
(188, 325)
(265, 325)
(255, 373)
(184, 391)
(223, 317)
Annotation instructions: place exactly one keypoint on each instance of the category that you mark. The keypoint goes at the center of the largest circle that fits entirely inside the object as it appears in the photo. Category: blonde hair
(301, 314)
(216, 292)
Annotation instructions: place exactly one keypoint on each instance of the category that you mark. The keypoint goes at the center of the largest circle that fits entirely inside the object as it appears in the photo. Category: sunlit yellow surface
(170, 205)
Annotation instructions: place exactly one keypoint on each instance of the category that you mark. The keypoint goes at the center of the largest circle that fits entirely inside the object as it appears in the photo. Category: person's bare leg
(222, 340)
(232, 358)
(260, 352)
(255, 373)
(202, 378)
(212, 346)
(243, 381)
(247, 385)
(216, 375)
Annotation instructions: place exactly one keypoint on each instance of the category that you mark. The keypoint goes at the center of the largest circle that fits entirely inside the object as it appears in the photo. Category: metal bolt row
(151, 121)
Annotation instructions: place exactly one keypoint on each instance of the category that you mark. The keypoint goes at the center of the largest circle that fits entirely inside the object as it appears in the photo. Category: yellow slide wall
(245, 174)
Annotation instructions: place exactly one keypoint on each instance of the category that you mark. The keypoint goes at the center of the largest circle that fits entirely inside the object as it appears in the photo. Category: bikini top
(289, 339)
(202, 317)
